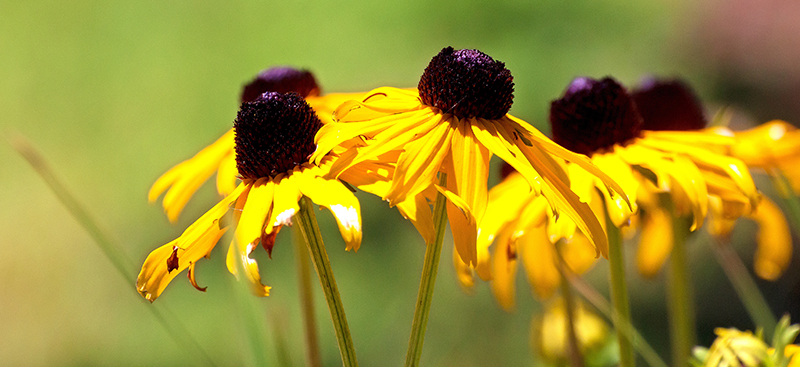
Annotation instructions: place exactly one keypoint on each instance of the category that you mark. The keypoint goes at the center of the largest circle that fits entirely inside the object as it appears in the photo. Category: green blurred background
(116, 92)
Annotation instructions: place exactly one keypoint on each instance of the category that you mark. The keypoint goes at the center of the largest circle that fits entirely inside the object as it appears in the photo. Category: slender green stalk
(307, 221)
(429, 269)
(601, 304)
(745, 287)
(575, 357)
(784, 188)
(306, 299)
(112, 250)
(619, 292)
(680, 302)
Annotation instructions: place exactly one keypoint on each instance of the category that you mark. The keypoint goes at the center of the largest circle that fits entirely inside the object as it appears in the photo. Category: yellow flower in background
(453, 123)
(273, 140)
(670, 105)
(549, 331)
(734, 348)
(599, 118)
(183, 180)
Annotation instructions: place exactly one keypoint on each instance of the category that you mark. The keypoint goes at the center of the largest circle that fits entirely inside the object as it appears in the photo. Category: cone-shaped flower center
(282, 80)
(668, 105)
(467, 83)
(594, 115)
(274, 134)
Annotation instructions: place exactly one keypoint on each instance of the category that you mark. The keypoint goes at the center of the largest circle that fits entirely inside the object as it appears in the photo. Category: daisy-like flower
(273, 140)
(454, 121)
(670, 105)
(598, 118)
(183, 180)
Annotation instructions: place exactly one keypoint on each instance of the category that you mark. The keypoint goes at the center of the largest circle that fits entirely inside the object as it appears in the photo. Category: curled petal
(774, 252)
(238, 260)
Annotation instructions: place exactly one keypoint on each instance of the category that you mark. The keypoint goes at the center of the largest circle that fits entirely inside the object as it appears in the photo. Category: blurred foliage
(116, 92)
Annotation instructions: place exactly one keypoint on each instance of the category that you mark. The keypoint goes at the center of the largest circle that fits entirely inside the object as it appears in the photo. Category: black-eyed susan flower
(454, 121)
(670, 105)
(273, 140)
(598, 118)
(183, 180)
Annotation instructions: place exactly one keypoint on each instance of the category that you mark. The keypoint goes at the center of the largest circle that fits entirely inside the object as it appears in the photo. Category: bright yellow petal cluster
(773, 145)
(734, 348)
(183, 180)
(259, 209)
(427, 142)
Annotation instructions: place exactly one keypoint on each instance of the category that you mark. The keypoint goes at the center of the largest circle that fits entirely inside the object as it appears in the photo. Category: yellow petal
(462, 225)
(774, 252)
(501, 145)
(504, 271)
(470, 170)
(539, 257)
(284, 201)
(256, 210)
(618, 210)
(334, 196)
(418, 212)
(655, 243)
(418, 165)
(464, 273)
(238, 259)
(325, 105)
(578, 254)
(226, 176)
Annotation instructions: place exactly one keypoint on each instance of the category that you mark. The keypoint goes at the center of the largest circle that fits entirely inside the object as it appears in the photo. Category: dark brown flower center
(467, 83)
(282, 80)
(274, 134)
(594, 115)
(668, 105)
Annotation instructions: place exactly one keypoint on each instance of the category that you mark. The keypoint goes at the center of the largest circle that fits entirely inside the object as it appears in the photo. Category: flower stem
(306, 299)
(575, 357)
(307, 221)
(112, 250)
(745, 287)
(619, 293)
(601, 304)
(429, 269)
(680, 300)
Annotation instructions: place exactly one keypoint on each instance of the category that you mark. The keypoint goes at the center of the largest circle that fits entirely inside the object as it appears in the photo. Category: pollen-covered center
(668, 105)
(274, 134)
(594, 115)
(467, 83)
(282, 79)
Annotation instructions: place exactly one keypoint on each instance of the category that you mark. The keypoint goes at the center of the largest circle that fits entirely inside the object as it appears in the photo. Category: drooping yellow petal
(284, 201)
(238, 259)
(183, 180)
(774, 252)
(226, 176)
(578, 254)
(464, 272)
(334, 196)
(418, 212)
(470, 169)
(655, 243)
(504, 272)
(539, 257)
(462, 225)
(418, 165)
(618, 210)
(256, 210)
(493, 139)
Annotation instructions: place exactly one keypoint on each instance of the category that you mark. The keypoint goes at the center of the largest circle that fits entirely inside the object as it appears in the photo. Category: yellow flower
(273, 139)
(734, 348)
(598, 118)
(183, 180)
(549, 333)
(453, 123)
(671, 105)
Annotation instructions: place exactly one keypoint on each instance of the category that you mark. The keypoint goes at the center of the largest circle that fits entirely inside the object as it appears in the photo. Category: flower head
(668, 105)
(453, 123)
(599, 118)
(274, 136)
(183, 180)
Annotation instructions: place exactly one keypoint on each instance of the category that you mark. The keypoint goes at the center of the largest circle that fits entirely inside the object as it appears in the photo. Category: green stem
(745, 287)
(307, 221)
(619, 293)
(575, 357)
(112, 250)
(429, 269)
(601, 304)
(784, 188)
(680, 300)
(306, 299)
